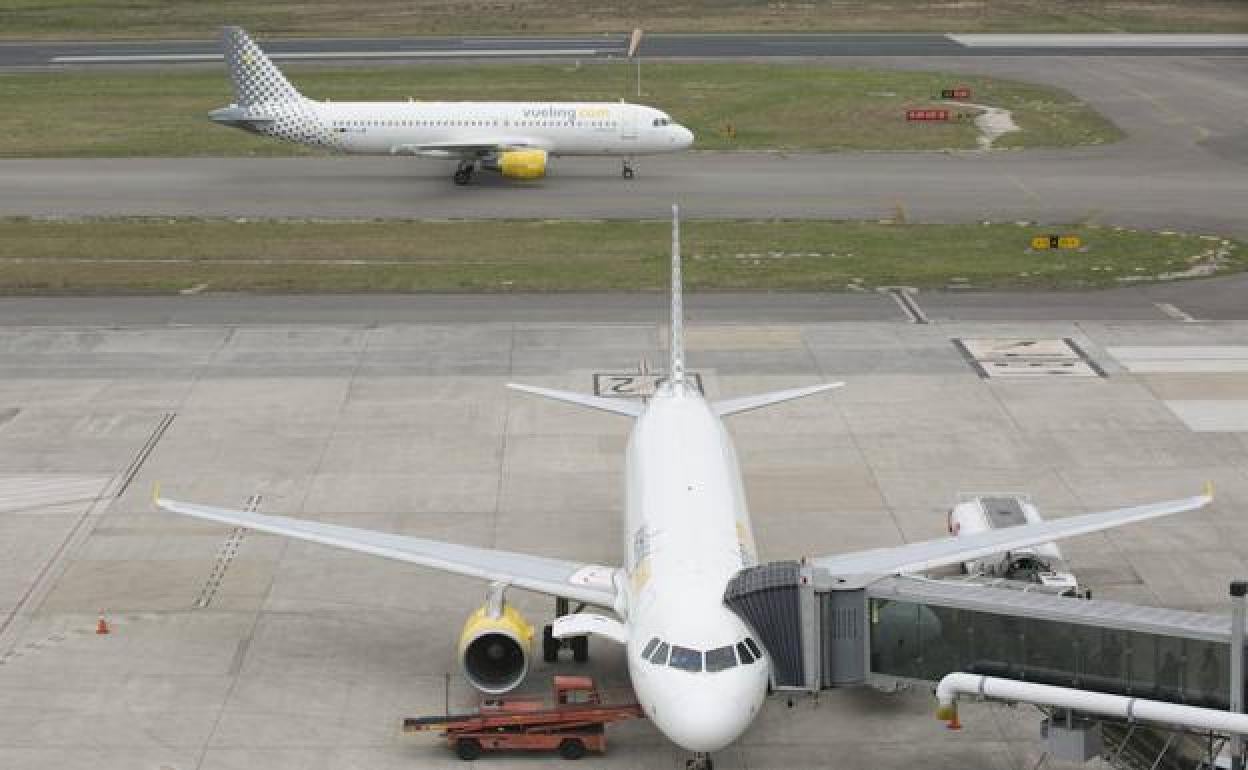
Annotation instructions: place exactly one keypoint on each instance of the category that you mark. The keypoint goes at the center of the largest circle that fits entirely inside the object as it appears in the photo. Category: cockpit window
(686, 659)
(660, 654)
(720, 658)
(754, 648)
(650, 645)
(744, 653)
(662, 122)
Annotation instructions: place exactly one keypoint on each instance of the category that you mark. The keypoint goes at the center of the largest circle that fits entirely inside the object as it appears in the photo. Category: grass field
(167, 256)
(769, 106)
(20, 19)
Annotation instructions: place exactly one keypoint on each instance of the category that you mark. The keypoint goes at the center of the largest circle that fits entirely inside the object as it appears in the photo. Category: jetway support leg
(1238, 589)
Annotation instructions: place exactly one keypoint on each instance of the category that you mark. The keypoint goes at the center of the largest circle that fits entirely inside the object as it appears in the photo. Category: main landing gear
(626, 170)
(551, 646)
(463, 174)
(700, 761)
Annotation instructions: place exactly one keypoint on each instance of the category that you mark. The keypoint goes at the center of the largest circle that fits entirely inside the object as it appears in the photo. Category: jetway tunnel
(824, 631)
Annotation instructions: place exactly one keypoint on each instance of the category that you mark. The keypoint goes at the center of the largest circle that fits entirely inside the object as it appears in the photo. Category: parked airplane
(513, 138)
(696, 668)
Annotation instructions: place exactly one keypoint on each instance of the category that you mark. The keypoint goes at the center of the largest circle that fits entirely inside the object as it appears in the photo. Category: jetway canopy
(826, 631)
(923, 629)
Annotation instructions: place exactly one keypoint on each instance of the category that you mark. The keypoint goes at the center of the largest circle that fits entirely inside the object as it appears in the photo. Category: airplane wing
(590, 583)
(473, 149)
(917, 557)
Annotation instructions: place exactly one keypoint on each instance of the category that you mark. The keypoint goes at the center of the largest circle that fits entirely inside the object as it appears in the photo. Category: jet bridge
(824, 631)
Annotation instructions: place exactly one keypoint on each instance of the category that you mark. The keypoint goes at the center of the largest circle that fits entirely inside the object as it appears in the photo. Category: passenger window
(660, 654)
(720, 658)
(744, 653)
(686, 659)
(754, 648)
(650, 645)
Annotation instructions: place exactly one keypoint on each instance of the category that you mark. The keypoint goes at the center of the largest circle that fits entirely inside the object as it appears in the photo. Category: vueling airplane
(513, 138)
(696, 667)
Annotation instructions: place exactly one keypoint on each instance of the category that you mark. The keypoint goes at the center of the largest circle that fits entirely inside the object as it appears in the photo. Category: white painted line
(1110, 40)
(1202, 359)
(440, 54)
(1179, 352)
(1212, 416)
(1174, 312)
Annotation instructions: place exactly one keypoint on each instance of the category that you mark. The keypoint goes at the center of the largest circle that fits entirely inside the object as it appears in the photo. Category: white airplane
(696, 669)
(513, 138)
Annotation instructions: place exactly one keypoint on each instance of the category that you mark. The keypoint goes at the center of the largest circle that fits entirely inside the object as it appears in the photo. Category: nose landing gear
(699, 761)
(626, 170)
(463, 174)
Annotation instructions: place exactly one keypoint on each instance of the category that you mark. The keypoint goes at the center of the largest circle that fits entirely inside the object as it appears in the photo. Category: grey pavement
(304, 657)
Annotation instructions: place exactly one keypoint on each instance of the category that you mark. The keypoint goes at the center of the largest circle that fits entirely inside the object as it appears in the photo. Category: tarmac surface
(1183, 166)
(36, 54)
(233, 650)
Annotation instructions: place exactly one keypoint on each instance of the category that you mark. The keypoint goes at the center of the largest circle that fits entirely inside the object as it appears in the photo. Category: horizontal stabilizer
(745, 404)
(622, 406)
(930, 554)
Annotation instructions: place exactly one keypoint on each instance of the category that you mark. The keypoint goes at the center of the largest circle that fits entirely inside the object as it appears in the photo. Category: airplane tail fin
(676, 368)
(255, 78)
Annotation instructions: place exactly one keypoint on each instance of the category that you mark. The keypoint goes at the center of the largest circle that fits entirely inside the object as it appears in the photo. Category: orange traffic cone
(101, 627)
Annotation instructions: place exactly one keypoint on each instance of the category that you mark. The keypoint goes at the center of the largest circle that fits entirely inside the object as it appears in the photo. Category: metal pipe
(1091, 702)
(1238, 589)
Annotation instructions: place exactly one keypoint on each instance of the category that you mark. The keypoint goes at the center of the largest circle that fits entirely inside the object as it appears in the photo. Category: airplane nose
(706, 720)
(685, 137)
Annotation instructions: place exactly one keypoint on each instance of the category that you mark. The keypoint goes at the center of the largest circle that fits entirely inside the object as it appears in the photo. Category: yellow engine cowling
(494, 649)
(522, 164)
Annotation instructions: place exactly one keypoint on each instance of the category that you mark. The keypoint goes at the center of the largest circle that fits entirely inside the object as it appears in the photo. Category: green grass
(728, 106)
(22, 19)
(166, 256)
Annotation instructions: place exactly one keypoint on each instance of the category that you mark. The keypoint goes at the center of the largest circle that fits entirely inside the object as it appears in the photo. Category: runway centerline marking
(438, 54)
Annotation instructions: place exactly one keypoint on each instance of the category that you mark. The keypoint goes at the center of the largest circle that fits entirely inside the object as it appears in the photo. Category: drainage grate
(635, 385)
(1016, 358)
(226, 554)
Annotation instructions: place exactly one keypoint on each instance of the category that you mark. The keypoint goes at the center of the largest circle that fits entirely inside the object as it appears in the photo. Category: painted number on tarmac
(634, 385)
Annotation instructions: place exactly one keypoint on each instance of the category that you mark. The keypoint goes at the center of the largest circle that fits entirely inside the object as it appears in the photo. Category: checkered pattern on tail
(259, 85)
(256, 80)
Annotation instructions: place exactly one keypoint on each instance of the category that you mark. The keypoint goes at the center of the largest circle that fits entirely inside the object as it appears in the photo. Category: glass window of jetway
(913, 638)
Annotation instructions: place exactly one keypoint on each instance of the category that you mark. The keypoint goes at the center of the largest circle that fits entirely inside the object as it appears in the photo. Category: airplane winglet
(1209, 489)
(156, 493)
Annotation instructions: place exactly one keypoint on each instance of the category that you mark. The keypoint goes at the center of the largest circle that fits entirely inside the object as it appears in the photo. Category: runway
(1103, 185)
(98, 53)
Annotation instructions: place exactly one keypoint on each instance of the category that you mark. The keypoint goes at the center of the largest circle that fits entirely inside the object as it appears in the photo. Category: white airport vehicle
(516, 139)
(697, 670)
(1041, 564)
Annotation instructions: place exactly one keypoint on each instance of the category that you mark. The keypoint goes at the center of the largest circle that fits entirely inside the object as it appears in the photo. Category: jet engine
(521, 164)
(494, 648)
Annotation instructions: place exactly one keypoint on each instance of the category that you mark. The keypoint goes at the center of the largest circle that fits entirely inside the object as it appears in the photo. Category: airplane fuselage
(383, 128)
(687, 532)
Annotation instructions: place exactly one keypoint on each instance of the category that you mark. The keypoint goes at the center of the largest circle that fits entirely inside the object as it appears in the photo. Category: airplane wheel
(580, 649)
(550, 645)
(463, 177)
(468, 749)
(628, 172)
(572, 748)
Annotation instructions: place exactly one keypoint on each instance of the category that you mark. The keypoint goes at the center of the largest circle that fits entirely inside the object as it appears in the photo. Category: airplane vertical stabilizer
(256, 79)
(676, 369)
